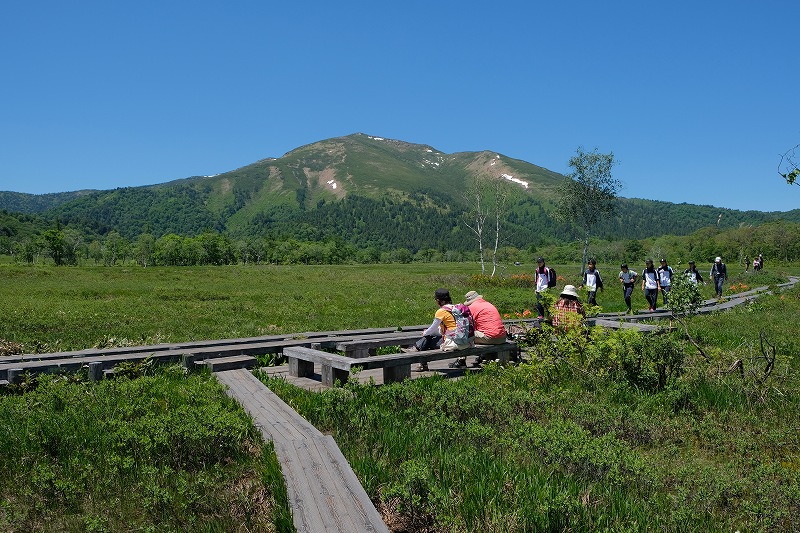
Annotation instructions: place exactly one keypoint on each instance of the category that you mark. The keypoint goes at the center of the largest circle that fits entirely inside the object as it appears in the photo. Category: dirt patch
(326, 179)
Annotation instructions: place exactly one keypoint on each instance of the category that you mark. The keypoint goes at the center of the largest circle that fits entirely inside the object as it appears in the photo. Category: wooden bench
(361, 348)
(396, 367)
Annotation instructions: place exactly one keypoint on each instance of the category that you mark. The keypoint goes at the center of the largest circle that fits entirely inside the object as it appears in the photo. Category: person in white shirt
(664, 279)
(650, 284)
(627, 277)
(592, 281)
(693, 274)
(542, 279)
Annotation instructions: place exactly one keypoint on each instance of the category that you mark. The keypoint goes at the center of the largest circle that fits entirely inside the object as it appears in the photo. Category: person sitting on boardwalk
(693, 274)
(627, 277)
(592, 281)
(489, 328)
(719, 273)
(568, 311)
(443, 328)
(650, 284)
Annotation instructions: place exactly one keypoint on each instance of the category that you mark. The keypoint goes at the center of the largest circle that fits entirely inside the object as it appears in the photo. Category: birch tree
(476, 196)
(589, 194)
(487, 198)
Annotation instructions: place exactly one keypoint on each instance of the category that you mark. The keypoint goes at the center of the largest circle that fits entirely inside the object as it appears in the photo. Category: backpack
(552, 277)
(464, 332)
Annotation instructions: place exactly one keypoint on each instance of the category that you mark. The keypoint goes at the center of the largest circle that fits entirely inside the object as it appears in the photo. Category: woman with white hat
(568, 309)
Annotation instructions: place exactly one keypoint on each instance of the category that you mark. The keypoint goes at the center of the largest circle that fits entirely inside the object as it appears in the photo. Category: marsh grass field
(581, 438)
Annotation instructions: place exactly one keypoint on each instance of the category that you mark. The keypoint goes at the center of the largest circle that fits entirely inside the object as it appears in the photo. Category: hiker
(650, 284)
(719, 273)
(627, 277)
(443, 328)
(664, 279)
(543, 281)
(747, 263)
(568, 311)
(693, 274)
(592, 281)
(489, 328)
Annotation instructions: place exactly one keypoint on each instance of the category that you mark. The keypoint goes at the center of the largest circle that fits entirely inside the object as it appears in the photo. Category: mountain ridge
(364, 189)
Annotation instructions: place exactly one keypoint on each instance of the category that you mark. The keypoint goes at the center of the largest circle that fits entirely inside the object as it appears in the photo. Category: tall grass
(528, 449)
(561, 445)
(161, 453)
(69, 308)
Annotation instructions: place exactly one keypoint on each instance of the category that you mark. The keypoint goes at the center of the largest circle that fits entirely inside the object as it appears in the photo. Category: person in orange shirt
(443, 321)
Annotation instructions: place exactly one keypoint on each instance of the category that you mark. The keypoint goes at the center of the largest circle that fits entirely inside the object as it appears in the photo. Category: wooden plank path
(324, 492)
(202, 351)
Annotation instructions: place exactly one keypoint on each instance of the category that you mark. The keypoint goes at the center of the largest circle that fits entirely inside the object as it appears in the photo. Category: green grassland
(584, 437)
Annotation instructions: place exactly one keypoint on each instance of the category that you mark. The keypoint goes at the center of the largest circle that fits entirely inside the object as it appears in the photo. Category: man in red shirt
(489, 327)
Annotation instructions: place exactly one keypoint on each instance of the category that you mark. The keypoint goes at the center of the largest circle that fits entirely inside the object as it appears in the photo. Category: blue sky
(697, 100)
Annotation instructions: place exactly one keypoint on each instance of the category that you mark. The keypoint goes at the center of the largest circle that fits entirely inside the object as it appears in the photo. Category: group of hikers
(477, 321)
(653, 280)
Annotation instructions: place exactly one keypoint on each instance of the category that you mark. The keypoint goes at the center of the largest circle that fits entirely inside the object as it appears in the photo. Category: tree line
(777, 241)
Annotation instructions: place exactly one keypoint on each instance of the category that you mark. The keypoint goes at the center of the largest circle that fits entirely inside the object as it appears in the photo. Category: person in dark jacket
(719, 273)
(693, 274)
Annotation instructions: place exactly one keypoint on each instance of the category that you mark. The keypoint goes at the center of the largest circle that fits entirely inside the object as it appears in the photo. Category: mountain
(367, 191)
(20, 202)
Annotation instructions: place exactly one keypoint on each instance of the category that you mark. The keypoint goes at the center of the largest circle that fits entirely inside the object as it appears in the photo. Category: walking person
(592, 281)
(542, 282)
(693, 274)
(627, 277)
(664, 279)
(719, 273)
(650, 284)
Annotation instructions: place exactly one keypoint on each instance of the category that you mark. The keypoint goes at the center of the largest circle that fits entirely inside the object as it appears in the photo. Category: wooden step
(233, 362)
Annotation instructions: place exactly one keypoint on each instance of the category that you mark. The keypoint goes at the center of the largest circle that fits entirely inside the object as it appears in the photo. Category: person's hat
(442, 294)
(663, 260)
(624, 265)
(718, 259)
(540, 259)
(691, 262)
(649, 262)
(569, 290)
(470, 297)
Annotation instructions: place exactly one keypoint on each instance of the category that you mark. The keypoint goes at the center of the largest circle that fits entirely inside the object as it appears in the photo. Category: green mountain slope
(20, 202)
(367, 191)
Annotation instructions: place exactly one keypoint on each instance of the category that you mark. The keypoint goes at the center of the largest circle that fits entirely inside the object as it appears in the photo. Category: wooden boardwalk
(324, 492)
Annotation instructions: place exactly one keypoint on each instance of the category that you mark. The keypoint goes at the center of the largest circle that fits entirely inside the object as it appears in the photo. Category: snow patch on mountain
(512, 179)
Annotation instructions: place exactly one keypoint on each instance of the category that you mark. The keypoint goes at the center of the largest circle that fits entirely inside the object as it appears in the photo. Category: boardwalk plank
(324, 492)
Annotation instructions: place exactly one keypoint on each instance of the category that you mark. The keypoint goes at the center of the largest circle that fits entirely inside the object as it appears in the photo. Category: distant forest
(361, 230)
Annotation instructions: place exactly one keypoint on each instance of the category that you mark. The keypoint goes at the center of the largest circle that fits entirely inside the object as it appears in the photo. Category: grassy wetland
(606, 431)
